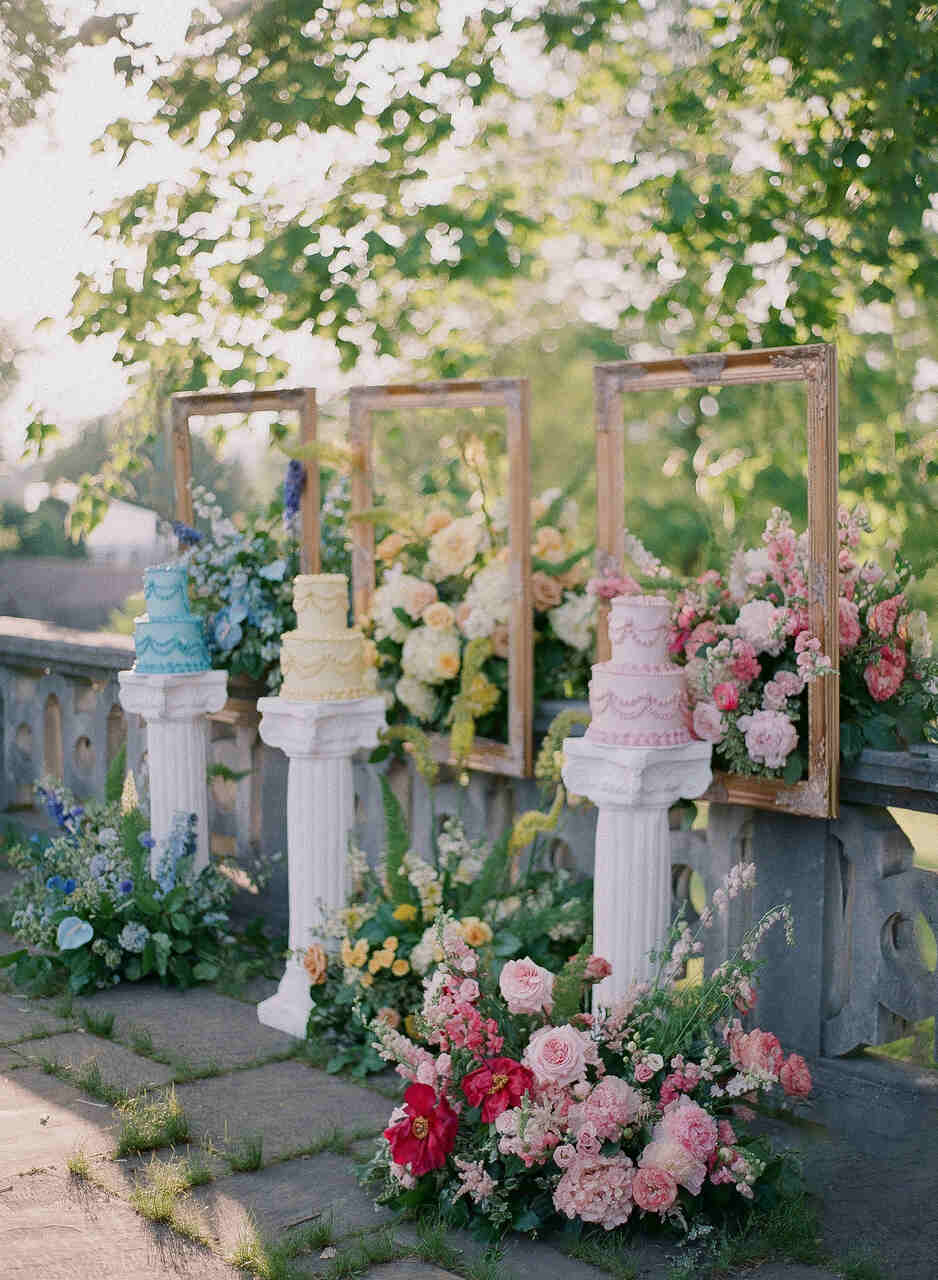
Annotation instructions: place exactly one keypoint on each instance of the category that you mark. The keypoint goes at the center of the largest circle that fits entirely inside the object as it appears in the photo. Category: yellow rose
(399, 968)
(410, 1026)
(436, 521)
(390, 944)
(550, 544)
(438, 616)
(354, 956)
(390, 548)
(448, 665)
(316, 962)
(380, 960)
(405, 913)
(546, 592)
(475, 931)
(366, 979)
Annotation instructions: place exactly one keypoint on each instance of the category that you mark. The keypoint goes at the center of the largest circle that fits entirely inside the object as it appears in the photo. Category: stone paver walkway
(273, 1145)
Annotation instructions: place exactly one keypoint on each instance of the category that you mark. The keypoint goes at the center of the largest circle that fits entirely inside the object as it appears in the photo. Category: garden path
(248, 1165)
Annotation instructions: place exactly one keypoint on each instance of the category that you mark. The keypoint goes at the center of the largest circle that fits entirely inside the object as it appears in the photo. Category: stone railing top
(29, 642)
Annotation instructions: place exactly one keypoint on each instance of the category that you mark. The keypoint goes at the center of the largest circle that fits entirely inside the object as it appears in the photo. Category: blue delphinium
(294, 482)
(188, 537)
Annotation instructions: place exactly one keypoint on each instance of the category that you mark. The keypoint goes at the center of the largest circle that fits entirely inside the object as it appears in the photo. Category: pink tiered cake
(639, 698)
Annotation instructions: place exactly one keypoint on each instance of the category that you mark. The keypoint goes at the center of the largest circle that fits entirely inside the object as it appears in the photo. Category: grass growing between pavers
(603, 1253)
(146, 1126)
(98, 1024)
(275, 1260)
(88, 1078)
(247, 1156)
(162, 1196)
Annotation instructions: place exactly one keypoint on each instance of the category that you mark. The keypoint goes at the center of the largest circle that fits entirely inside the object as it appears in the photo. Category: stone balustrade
(860, 973)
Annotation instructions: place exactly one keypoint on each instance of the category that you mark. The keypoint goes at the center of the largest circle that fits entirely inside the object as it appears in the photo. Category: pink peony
(653, 1190)
(885, 675)
(758, 1053)
(794, 1076)
(688, 1123)
(708, 722)
(558, 1055)
(726, 696)
(596, 969)
(784, 684)
(849, 624)
(882, 617)
(526, 987)
(674, 1158)
(763, 625)
(770, 737)
(596, 1189)
(611, 1106)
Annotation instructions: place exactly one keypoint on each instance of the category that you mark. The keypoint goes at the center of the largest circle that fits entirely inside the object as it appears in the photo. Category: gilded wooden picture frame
(816, 367)
(512, 395)
(195, 404)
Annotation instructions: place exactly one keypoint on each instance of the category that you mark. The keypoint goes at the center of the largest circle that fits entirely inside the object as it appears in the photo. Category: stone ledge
(29, 642)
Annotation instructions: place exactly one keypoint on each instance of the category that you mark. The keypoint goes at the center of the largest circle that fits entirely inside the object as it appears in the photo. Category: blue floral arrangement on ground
(241, 576)
(88, 903)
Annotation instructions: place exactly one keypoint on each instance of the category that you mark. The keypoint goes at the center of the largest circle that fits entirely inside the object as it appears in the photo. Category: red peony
(496, 1086)
(426, 1135)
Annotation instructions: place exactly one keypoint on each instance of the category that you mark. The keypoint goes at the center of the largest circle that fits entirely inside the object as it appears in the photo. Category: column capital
(173, 695)
(326, 728)
(635, 777)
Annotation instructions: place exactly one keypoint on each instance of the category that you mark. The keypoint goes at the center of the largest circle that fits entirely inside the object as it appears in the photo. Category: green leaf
(205, 971)
(397, 839)
(793, 768)
(568, 985)
(180, 922)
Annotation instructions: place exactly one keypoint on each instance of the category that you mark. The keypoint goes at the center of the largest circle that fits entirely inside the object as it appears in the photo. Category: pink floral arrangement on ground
(750, 654)
(525, 1109)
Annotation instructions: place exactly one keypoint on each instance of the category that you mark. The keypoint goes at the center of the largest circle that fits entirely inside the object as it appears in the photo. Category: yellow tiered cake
(324, 658)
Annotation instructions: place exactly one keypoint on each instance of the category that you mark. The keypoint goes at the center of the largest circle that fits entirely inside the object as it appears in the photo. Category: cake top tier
(638, 629)
(321, 604)
(166, 589)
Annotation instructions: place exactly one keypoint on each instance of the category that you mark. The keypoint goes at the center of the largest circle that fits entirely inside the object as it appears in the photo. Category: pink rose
(794, 1076)
(708, 722)
(759, 1052)
(849, 624)
(610, 585)
(526, 987)
(653, 1189)
(884, 676)
(691, 1126)
(674, 1158)
(726, 696)
(882, 617)
(770, 737)
(706, 633)
(557, 1055)
(643, 1073)
(596, 969)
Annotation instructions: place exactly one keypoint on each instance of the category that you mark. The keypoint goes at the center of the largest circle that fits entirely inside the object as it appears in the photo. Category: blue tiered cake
(168, 638)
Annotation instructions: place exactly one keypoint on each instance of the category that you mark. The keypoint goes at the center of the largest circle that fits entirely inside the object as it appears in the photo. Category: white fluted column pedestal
(175, 707)
(320, 739)
(633, 788)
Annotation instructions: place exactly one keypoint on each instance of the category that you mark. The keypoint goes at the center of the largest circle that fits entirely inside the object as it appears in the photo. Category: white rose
(453, 549)
(574, 620)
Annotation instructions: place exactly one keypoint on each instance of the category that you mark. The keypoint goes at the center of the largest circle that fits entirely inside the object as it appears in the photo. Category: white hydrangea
(490, 592)
(574, 620)
(417, 697)
(399, 590)
(431, 656)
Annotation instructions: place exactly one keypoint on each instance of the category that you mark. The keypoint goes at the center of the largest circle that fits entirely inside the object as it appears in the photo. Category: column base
(289, 1007)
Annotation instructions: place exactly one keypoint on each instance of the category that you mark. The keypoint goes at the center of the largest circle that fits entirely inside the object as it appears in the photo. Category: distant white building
(128, 534)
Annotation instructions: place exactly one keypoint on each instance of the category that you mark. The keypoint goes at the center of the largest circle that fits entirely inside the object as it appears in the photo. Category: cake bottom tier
(169, 645)
(317, 670)
(639, 708)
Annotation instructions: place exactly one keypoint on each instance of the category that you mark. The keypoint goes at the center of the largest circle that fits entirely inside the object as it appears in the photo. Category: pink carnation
(596, 1189)
(674, 1158)
(759, 1052)
(558, 1055)
(725, 1133)
(653, 1190)
(526, 987)
(794, 1076)
(849, 624)
(770, 737)
(708, 722)
(611, 1106)
(726, 696)
(694, 1128)
(884, 676)
(882, 617)
(744, 666)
